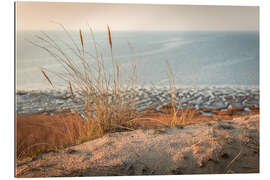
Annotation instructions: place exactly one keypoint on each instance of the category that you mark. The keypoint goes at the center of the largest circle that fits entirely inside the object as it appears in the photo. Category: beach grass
(107, 108)
(106, 104)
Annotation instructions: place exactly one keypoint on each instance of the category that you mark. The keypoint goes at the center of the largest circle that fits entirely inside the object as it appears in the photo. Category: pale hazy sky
(40, 16)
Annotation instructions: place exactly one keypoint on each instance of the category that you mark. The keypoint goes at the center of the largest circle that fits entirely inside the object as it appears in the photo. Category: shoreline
(48, 125)
(219, 98)
(177, 86)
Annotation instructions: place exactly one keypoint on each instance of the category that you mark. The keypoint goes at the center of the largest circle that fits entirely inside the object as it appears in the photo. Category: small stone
(246, 118)
(201, 164)
(224, 155)
(71, 151)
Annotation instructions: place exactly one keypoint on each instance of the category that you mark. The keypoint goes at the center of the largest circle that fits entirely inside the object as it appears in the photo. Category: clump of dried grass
(187, 114)
(104, 95)
(106, 104)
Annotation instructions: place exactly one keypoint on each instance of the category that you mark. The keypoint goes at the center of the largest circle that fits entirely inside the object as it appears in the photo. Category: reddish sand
(42, 132)
(224, 146)
(157, 119)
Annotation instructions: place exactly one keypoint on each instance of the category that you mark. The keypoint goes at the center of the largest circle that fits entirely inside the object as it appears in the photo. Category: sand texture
(223, 146)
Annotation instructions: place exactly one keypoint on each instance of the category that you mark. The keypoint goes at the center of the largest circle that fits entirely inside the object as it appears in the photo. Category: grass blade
(118, 74)
(48, 79)
(109, 35)
(81, 38)
(71, 91)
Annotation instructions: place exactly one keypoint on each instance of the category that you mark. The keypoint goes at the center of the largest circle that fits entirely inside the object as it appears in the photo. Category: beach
(136, 93)
(213, 147)
(199, 98)
(44, 120)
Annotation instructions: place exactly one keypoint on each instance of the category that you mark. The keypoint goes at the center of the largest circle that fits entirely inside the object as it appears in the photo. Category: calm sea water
(196, 58)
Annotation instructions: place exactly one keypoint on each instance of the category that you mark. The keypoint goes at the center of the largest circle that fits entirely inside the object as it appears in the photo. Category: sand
(222, 146)
(43, 131)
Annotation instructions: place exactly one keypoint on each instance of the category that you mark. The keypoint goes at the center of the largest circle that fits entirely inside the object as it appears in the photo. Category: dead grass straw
(109, 104)
(104, 96)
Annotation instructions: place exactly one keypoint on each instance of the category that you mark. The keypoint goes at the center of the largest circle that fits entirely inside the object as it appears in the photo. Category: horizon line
(74, 30)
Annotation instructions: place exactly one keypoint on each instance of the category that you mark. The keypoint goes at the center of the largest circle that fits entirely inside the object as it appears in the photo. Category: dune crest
(230, 146)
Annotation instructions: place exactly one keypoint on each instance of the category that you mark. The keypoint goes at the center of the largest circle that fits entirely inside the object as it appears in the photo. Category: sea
(196, 58)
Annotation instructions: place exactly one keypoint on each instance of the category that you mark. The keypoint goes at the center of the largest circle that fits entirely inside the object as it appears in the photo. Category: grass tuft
(104, 96)
(109, 103)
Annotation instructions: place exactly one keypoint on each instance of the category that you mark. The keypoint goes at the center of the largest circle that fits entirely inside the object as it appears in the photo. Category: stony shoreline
(224, 127)
(213, 98)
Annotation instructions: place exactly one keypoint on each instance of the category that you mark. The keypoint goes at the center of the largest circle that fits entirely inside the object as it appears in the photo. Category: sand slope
(230, 146)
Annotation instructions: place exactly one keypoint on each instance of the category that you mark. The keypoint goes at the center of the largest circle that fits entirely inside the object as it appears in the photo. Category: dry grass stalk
(107, 106)
(174, 120)
(232, 161)
(187, 114)
(71, 91)
(104, 96)
(81, 38)
(109, 36)
(48, 79)
(117, 71)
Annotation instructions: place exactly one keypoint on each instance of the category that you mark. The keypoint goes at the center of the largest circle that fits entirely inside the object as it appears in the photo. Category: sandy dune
(224, 146)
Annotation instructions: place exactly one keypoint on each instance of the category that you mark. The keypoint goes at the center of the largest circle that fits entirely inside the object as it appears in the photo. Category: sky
(135, 17)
